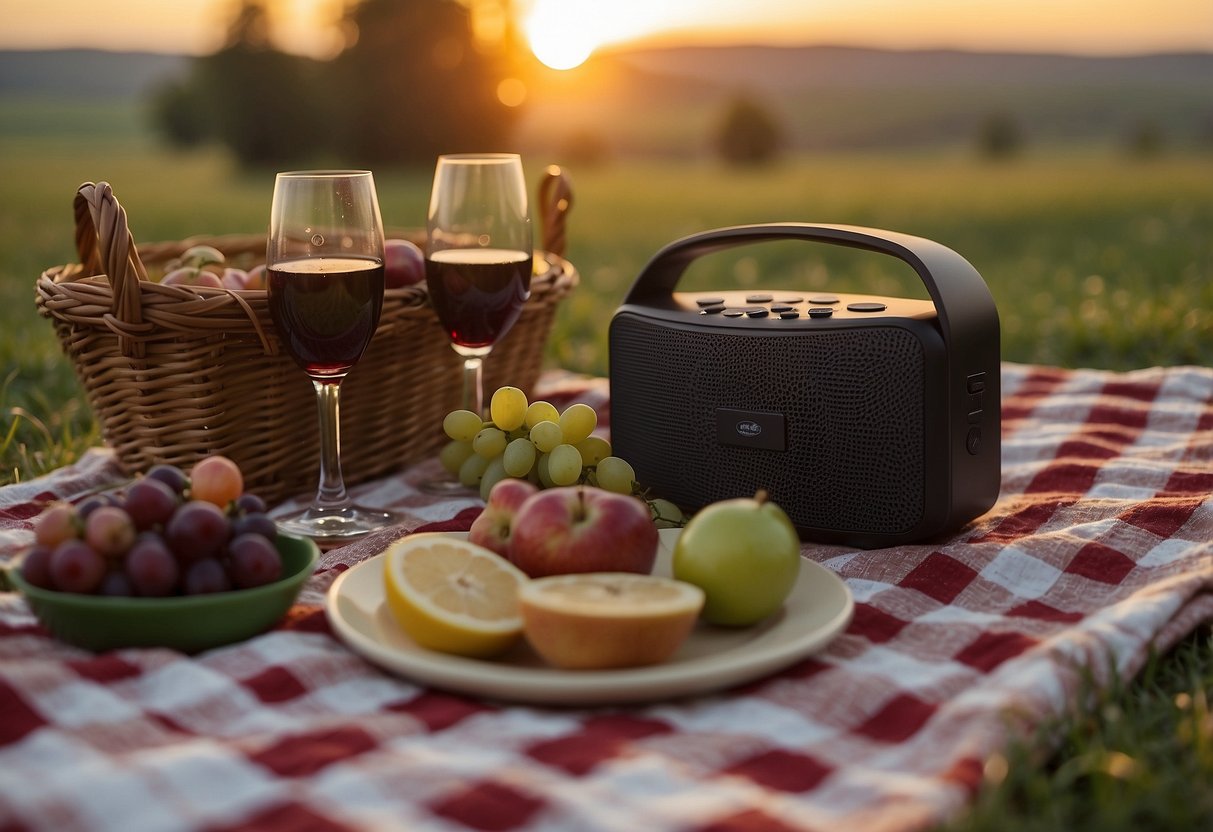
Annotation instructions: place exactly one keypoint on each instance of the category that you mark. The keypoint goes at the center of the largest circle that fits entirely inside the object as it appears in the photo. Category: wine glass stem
(473, 384)
(331, 492)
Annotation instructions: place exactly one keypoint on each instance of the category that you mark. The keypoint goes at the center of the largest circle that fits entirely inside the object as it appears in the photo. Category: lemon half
(453, 596)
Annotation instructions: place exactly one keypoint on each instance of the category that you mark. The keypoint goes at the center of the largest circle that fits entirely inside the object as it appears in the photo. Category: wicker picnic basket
(176, 373)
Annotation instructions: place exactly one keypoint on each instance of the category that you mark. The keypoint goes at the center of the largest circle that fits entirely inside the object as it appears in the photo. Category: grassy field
(1093, 259)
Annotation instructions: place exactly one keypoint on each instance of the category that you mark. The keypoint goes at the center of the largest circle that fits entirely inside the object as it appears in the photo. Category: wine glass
(477, 258)
(324, 266)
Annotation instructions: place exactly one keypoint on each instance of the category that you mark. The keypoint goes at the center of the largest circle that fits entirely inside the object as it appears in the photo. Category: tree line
(409, 83)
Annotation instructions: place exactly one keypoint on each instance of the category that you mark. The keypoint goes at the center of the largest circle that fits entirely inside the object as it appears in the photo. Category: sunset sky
(1084, 26)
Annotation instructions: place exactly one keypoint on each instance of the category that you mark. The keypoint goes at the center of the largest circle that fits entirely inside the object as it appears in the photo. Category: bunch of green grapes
(532, 441)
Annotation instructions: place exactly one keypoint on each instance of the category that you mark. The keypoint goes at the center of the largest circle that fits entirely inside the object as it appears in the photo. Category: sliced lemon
(597, 620)
(452, 595)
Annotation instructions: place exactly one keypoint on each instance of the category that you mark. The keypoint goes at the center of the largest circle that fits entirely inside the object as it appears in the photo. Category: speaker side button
(821, 300)
(779, 308)
(789, 314)
(757, 312)
(711, 310)
(758, 298)
(710, 301)
(866, 307)
(973, 441)
(820, 312)
(733, 312)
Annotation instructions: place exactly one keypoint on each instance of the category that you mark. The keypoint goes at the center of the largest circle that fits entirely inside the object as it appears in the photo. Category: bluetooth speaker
(872, 421)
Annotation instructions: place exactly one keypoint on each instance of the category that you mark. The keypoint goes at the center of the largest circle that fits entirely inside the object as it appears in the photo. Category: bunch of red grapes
(165, 534)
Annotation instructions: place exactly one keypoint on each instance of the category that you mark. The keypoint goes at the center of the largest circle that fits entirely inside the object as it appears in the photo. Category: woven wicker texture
(176, 373)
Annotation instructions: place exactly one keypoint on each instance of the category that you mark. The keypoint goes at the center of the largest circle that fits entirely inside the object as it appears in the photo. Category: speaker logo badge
(749, 428)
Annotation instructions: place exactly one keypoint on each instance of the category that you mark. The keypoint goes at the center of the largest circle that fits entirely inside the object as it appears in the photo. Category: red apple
(234, 279)
(583, 529)
(191, 276)
(403, 264)
(254, 278)
(492, 529)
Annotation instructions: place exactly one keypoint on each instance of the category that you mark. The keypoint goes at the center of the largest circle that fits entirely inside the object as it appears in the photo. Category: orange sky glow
(565, 29)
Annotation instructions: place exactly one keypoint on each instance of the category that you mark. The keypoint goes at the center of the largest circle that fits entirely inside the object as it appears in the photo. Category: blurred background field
(1096, 258)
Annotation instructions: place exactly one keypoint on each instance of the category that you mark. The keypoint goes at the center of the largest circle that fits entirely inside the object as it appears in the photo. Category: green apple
(744, 554)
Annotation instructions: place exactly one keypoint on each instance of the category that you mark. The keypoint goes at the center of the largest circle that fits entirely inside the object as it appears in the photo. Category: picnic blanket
(1097, 552)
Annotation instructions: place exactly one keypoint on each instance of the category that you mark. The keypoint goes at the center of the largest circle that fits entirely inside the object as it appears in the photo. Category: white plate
(818, 608)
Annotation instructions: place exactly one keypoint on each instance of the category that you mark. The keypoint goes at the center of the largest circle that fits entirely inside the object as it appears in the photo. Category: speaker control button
(976, 383)
(733, 313)
(779, 308)
(791, 313)
(973, 441)
(790, 300)
(820, 312)
(866, 307)
(710, 301)
(758, 298)
(823, 299)
(757, 312)
(711, 310)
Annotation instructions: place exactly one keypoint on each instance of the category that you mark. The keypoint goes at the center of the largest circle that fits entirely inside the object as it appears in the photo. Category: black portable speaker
(872, 421)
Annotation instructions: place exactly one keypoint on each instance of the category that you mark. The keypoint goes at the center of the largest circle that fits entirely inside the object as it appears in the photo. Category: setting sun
(564, 33)
(559, 34)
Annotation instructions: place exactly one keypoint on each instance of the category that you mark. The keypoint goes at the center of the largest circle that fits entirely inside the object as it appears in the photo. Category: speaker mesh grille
(852, 402)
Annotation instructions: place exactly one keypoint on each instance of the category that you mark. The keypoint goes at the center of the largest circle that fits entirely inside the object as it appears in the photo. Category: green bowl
(188, 623)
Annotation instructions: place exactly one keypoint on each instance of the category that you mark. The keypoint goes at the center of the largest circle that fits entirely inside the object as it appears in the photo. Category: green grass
(1094, 260)
(1132, 757)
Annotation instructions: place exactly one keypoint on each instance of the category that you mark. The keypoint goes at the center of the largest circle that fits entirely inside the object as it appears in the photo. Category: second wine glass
(478, 256)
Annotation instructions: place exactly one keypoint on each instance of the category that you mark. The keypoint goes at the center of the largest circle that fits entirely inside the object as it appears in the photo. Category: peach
(600, 620)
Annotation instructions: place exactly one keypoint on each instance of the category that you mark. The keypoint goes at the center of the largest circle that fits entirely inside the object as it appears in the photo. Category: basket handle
(555, 200)
(105, 246)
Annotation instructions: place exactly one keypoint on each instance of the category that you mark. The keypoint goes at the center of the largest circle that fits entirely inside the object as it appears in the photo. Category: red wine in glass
(478, 262)
(478, 293)
(324, 262)
(325, 310)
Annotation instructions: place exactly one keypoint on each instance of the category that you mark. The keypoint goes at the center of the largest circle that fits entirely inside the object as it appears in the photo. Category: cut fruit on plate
(712, 658)
(453, 596)
(608, 619)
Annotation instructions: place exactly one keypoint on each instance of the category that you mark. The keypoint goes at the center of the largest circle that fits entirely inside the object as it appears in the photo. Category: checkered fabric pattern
(1097, 552)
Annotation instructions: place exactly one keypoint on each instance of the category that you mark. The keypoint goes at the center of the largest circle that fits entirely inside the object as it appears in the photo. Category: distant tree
(999, 137)
(748, 133)
(266, 106)
(178, 113)
(269, 107)
(413, 84)
(1204, 132)
(585, 147)
(1145, 139)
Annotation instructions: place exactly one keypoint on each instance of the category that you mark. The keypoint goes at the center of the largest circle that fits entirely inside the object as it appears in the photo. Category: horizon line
(660, 44)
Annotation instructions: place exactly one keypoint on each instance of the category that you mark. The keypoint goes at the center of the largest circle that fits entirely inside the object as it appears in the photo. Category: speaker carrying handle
(962, 300)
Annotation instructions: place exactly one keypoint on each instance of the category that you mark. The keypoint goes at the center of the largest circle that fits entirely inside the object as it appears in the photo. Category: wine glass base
(333, 524)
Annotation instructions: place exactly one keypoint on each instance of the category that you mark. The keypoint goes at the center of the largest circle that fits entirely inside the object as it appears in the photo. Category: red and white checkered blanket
(1097, 552)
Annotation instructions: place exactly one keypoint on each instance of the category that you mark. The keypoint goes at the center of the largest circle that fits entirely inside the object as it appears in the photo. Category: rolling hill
(668, 101)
